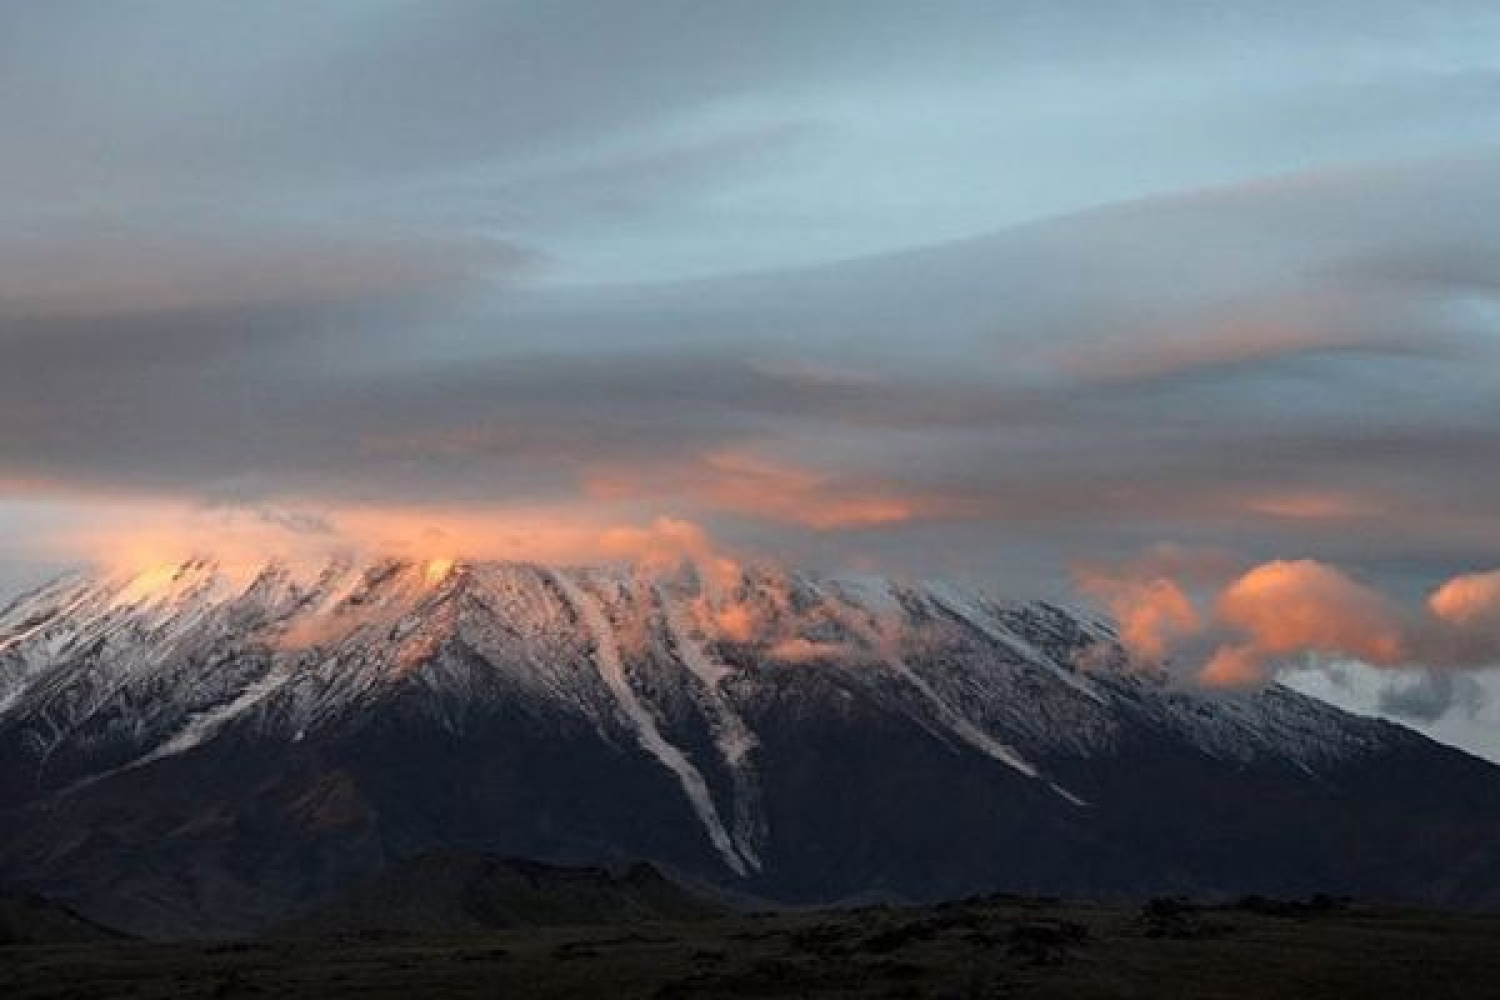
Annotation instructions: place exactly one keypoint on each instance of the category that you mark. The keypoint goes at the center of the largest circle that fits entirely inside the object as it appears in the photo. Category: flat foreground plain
(995, 947)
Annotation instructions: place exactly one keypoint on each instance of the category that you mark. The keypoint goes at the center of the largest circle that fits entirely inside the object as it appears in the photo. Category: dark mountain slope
(211, 754)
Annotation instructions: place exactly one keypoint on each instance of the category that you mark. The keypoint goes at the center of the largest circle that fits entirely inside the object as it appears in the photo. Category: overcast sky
(983, 289)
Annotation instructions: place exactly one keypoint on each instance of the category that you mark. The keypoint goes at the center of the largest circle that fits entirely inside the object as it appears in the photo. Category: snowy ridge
(966, 609)
(105, 675)
(956, 722)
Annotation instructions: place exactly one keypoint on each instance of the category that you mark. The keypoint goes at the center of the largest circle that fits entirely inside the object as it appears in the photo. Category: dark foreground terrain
(999, 947)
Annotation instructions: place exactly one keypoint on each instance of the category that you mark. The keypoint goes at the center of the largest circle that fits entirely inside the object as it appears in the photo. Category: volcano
(195, 751)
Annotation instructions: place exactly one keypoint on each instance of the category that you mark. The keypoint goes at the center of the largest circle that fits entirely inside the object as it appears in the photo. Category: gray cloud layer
(1233, 283)
(612, 138)
(1306, 365)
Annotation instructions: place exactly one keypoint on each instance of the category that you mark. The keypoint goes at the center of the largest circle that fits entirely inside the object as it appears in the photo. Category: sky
(1187, 312)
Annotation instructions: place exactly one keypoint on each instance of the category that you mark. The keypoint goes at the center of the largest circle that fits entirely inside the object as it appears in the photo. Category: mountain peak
(708, 720)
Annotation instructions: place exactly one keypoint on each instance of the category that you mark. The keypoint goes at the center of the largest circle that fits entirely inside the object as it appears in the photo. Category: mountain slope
(195, 750)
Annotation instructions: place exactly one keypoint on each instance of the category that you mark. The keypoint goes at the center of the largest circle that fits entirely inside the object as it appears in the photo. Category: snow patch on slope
(612, 669)
(951, 717)
(205, 724)
(956, 722)
(957, 604)
(733, 738)
(198, 729)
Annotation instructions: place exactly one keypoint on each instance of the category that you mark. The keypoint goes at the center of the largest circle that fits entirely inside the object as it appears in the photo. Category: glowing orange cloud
(135, 536)
(147, 545)
(1471, 599)
(1151, 613)
(506, 533)
(666, 543)
(1291, 606)
(149, 540)
(661, 545)
(1234, 667)
(750, 485)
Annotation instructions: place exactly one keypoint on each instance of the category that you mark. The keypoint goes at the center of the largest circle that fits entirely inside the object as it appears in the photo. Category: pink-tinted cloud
(1229, 667)
(1292, 608)
(1151, 613)
(133, 533)
(1469, 600)
(751, 485)
(1289, 606)
(1287, 610)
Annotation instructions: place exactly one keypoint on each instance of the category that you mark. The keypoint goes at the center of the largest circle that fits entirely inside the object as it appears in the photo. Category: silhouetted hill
(451, 892)
(26, 918)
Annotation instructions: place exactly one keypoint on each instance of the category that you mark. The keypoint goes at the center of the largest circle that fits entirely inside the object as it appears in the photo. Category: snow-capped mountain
(198, 749)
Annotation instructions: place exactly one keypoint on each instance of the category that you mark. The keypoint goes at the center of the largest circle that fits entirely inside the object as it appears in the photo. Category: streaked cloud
(753, 486)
